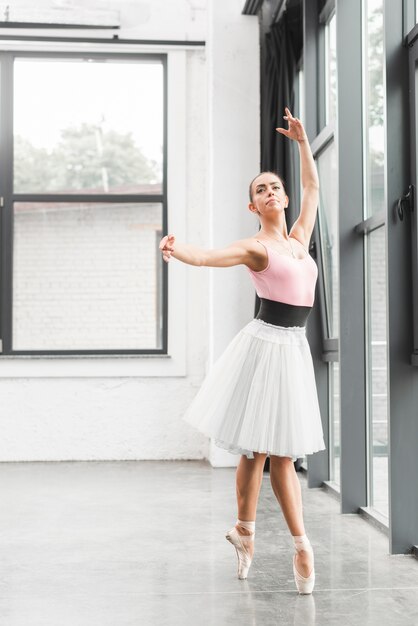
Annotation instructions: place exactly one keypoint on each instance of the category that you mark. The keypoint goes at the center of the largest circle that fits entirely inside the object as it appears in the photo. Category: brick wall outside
(377, 334)
(85, 276)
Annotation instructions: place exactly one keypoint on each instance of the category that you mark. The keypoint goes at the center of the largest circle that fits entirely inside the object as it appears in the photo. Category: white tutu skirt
(260, 395)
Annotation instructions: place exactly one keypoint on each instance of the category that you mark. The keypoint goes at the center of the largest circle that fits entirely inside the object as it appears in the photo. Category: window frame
(174, 363)
(8, 198)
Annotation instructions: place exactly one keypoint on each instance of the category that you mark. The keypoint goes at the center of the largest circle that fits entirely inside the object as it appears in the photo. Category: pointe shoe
(304, 585)
(240, 543)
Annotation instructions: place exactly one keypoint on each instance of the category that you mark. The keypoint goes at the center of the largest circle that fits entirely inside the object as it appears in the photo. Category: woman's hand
(167, 246)
(295, 130)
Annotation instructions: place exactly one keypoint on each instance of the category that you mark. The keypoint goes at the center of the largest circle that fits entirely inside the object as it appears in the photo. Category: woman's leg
(286, 487)
(248, 483)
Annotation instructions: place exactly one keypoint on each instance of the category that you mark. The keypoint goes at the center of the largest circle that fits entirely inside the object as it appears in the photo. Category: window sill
(332, 488)
(31, 357)
(375, 518)
(91, 366)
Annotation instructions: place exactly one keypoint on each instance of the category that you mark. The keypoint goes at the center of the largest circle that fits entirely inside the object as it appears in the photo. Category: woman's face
(268, 195)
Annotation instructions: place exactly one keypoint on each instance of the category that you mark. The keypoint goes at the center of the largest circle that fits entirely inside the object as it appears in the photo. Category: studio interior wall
(120, 417)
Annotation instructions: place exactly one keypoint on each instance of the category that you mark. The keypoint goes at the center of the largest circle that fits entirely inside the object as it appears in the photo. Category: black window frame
(8, 198)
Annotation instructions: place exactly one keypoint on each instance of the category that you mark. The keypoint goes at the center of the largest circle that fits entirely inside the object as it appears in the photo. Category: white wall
(233, 53)
(131, 408)
(139, 19)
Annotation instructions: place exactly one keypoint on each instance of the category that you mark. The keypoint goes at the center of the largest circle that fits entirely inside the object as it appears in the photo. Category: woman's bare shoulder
(252, 244)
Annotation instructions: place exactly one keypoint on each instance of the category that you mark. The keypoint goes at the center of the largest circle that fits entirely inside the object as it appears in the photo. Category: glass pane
(328, 226)
(335, 430)
(88, 126)
(301, 89)
(377, 370)
(87, 276)
(331, 69)
(374, 107)
(299, 106)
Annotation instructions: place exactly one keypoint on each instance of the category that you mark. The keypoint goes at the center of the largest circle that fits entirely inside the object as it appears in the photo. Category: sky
(50, 95)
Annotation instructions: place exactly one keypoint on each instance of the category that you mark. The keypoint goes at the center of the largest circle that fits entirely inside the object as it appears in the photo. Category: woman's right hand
(296, 130)
(167, 246)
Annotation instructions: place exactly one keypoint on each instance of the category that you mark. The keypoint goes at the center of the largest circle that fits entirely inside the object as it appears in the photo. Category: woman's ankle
(245, 527)
(302, 543)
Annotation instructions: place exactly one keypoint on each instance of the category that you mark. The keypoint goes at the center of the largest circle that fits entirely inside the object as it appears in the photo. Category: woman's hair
(268, 172)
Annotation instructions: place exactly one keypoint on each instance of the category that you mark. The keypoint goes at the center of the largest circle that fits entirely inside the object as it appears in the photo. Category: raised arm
(303, 226)
(243, 251)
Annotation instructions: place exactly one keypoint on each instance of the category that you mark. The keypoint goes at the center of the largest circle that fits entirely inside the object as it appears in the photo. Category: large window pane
(328, 232)
(373, 80)
(377, 370)
(87, 276)
(331, 69)
(88, 126)
(375, 249)
(334, 421)
(328, 225)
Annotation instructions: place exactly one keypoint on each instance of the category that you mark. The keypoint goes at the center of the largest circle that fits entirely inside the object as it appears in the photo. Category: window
(329, 238)
(328, 223)
(375, 255)
(331, 70)
(327, 65)
(376, 333)
(85, 204)
(373, 107)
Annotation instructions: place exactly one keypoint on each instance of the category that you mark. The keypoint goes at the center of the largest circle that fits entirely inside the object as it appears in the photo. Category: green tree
(375, 67)
(31, 166)
(85, 158)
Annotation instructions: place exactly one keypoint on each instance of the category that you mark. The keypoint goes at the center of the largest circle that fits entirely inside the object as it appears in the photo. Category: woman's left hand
(295, 130)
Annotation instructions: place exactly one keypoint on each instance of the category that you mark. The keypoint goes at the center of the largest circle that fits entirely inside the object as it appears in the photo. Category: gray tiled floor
(142, 543)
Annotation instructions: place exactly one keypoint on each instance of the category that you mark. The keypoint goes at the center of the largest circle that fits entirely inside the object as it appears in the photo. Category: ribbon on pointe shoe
(304, 584)
(241, 543)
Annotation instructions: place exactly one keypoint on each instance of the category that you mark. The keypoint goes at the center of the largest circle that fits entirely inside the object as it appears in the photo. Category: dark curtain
(281, 50)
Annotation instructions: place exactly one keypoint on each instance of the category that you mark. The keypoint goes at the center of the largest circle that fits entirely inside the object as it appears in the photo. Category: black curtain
(281, 50)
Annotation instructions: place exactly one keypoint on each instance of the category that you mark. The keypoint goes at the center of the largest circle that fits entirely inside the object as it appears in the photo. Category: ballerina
(260, 397)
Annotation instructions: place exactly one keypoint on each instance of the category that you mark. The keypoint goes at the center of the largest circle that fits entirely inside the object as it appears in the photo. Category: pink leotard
(286, 279)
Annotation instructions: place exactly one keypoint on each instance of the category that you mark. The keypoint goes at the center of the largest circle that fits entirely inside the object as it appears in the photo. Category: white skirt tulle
(260, 395)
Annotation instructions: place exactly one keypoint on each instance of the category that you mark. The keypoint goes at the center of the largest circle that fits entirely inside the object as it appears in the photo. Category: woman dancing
(260, 396)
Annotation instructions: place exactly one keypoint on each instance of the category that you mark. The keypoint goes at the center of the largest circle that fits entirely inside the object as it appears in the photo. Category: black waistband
(282, 314)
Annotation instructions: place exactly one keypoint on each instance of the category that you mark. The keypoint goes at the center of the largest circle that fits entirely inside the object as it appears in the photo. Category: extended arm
(303, 226)
(239, 252)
